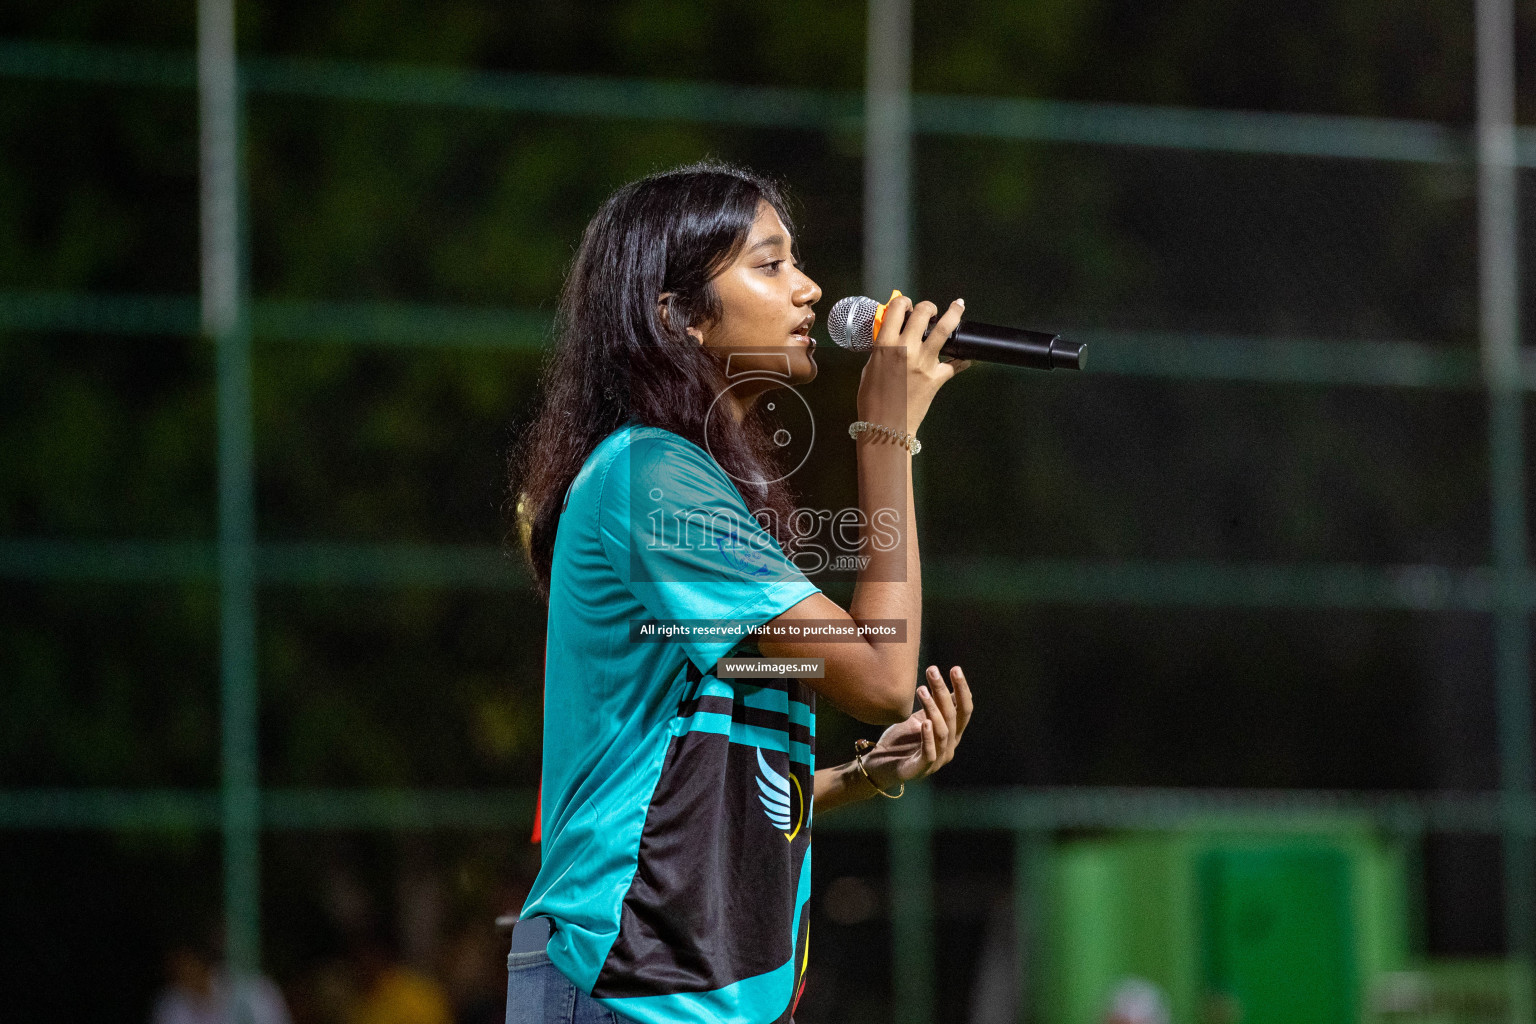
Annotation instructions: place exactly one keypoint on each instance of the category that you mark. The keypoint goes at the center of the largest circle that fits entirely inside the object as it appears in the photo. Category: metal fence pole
(888, 148)
(1030, 850)
(1498, 274)
(887, 265)
(911, 885)
(225, 320)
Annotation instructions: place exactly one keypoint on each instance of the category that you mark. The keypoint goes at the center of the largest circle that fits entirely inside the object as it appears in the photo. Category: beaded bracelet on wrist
(907, 441)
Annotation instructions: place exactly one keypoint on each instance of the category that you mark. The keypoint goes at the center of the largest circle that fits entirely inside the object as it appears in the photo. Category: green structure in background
(1294, 927)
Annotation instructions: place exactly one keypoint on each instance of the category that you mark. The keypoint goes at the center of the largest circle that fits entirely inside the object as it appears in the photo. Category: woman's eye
(773, 266)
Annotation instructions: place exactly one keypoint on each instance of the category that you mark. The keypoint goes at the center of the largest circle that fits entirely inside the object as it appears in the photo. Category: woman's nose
(809, 292)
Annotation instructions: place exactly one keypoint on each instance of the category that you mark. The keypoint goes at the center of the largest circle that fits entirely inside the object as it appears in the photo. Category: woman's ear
(664, 311)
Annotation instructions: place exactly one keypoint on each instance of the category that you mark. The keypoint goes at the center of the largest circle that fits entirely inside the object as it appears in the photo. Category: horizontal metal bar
(955, 810)
(1129, 353)
(384, 323)
(1401, 364)
(284, 809)
(994, 581)
(1231, 131)
(457, 566)
(1209, 584)
(560, 95)
(313, 809)
(557, 95)
(1041, 810)
(295, 564)
(1362, 138)
(390, 323)
(1133, 808)
(49, 312)
(122, 561)
(148, 809)
(41, 60)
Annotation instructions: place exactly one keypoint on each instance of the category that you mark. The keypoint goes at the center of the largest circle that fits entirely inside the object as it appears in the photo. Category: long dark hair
(616, 359)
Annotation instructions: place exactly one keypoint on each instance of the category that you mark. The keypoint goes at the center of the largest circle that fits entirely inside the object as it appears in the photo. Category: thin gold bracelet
(859, 747)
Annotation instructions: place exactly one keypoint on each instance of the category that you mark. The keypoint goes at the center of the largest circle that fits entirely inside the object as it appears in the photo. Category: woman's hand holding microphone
(896, 392)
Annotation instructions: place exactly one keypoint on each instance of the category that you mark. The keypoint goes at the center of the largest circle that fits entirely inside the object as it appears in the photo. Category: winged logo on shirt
(787, 814)
(741, 564)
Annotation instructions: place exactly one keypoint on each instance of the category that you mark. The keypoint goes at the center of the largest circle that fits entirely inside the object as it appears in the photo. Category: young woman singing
(677, 805)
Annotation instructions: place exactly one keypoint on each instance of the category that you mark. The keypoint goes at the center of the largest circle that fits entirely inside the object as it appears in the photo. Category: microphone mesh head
(852, 322)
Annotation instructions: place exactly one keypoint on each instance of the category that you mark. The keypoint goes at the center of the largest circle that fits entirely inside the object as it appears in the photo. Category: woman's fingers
(945, 712)
(942, 696)
(943, 329)
(964, 703)
(953, 366)
(906, 323)
(935, 715)
(917, 323)
(894, 322)
(939, 722)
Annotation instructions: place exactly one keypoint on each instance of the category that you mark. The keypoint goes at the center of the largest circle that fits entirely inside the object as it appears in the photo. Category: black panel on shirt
(712, 901)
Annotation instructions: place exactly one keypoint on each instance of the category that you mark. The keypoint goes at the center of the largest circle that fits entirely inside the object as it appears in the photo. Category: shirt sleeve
(678, 533)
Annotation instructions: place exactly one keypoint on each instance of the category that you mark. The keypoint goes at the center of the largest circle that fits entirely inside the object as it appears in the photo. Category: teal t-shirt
(676, 806)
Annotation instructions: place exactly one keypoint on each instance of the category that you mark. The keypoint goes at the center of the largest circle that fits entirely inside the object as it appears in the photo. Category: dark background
(112, 437)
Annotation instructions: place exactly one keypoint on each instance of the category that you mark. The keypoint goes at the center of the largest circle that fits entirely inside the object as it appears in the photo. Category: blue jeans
(537, 993)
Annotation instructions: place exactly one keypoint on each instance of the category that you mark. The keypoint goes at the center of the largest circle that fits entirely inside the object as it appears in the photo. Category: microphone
(855, 320)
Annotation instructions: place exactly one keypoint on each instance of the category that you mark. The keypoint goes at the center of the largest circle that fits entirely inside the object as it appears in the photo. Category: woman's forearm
(835, 787)
(890, 586)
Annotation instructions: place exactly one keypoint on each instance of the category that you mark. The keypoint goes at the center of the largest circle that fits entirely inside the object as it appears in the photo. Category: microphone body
(1036, 350)
(855, 320)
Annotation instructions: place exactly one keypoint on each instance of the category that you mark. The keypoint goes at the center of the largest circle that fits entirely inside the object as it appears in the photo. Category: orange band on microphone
(880, 312)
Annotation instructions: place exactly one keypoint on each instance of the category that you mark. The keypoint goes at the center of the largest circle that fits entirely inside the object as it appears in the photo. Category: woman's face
(765, 312)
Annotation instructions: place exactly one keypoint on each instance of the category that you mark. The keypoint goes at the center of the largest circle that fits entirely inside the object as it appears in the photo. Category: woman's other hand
(925, 741)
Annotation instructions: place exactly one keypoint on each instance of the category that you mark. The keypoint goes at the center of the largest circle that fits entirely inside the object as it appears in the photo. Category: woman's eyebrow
(772, 241)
